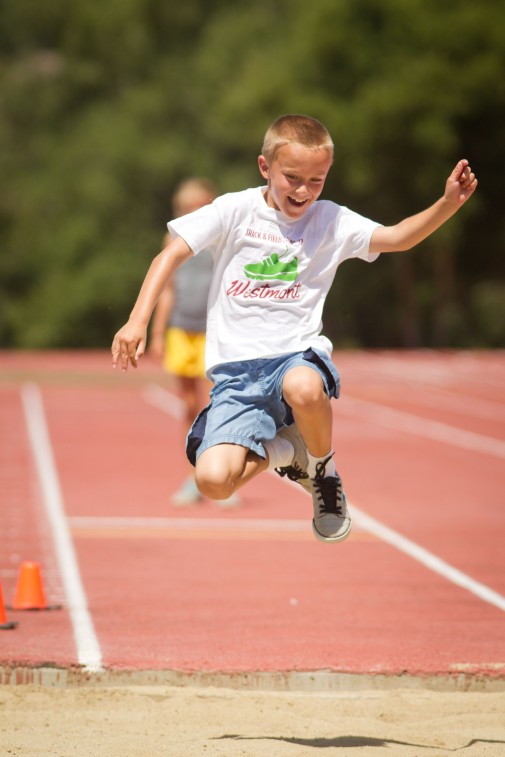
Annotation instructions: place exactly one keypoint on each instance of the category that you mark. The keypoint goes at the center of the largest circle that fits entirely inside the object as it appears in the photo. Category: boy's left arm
(459, 187)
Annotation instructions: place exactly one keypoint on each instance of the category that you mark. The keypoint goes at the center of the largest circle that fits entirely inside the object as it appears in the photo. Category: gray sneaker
(187, 495)
(331, 521)
(297, 471)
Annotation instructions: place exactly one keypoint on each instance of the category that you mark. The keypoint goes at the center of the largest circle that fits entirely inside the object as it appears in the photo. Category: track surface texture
(89, 458)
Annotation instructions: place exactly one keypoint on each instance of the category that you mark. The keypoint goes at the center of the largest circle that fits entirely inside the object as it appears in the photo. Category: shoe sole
(331, 539)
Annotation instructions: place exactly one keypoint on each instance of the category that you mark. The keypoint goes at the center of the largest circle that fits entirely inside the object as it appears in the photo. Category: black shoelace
(329, 491)
(293, 472)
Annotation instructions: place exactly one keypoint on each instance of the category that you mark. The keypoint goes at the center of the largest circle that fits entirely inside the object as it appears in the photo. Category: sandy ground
(167, 721)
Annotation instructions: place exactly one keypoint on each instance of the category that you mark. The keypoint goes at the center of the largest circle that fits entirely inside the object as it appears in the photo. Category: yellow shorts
(184, 353)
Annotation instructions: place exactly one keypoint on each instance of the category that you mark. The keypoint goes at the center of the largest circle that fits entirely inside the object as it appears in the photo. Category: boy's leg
(223, 468)
(237, 432)
(233, 439)
(195, 394)
(305, 393)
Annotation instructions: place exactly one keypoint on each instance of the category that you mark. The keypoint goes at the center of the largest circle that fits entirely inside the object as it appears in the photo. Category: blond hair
(299, 129)
(195, 191)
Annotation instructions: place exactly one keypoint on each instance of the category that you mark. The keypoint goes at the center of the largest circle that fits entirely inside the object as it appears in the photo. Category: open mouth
(296, 203)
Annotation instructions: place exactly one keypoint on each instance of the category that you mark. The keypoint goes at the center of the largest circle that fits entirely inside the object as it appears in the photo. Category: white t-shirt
(271, 273)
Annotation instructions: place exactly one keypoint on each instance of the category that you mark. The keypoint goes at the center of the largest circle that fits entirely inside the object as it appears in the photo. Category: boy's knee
(303, 388)
(213, 479)
(213, 490)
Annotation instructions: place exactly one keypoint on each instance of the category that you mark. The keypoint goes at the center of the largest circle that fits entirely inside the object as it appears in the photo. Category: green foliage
(488, 309)
(106, 106)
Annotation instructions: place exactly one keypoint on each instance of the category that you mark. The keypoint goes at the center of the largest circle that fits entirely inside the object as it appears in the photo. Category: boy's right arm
(130, 341)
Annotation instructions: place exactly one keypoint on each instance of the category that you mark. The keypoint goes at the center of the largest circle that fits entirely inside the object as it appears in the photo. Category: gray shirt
(191, 290)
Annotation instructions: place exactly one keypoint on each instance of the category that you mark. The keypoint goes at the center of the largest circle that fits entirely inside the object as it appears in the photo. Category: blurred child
(177, 336)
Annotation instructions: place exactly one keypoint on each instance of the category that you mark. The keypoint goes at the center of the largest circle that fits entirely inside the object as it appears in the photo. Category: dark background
(105, 106)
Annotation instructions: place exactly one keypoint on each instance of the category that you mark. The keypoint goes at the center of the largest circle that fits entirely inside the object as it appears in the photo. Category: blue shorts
(247, 406)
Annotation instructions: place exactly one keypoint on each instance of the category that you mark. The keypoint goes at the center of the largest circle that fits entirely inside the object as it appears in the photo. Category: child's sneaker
(187, 495)
(331, 521)
(297, 471)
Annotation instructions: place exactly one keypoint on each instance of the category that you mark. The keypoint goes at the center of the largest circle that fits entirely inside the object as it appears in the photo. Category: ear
(263, 166)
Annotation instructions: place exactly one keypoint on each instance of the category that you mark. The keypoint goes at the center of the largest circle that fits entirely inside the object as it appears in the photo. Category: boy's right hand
(129, 345)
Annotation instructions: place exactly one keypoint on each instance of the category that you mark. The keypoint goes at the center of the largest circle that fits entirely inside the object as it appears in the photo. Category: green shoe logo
(271, 269)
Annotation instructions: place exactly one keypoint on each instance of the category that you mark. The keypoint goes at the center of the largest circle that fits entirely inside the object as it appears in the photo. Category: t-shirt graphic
(271, 269)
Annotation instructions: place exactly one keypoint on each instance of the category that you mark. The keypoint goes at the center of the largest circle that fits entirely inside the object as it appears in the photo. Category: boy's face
(295, 178)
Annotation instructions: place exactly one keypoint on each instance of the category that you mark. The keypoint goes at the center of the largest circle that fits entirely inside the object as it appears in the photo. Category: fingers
(126, 351)
(467, 178)
(464, 174)
(467, 181)
(462, 183)
(130, 356)
(115, 351)
(140, 350)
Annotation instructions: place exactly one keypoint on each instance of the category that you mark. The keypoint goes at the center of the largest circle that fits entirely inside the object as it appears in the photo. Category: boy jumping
(276, 249)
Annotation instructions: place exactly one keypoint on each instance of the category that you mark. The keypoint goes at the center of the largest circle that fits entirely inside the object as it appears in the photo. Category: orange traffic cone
(30, 593)
(4, 625)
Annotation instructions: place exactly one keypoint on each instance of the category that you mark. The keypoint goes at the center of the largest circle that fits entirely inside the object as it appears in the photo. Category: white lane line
(192, 524)
(413, 424)
(398, 419)
(375, 527)
(164, 400)
(88, 649)
(428, 559)
(441, 399)
(468, 368)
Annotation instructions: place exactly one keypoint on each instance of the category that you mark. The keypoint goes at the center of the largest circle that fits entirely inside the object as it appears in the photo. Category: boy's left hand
(461, 184)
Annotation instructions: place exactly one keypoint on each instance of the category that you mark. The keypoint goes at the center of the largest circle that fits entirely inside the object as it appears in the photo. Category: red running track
(89, 458)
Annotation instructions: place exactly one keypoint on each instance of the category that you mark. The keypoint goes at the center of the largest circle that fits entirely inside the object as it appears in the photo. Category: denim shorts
(247, 406)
